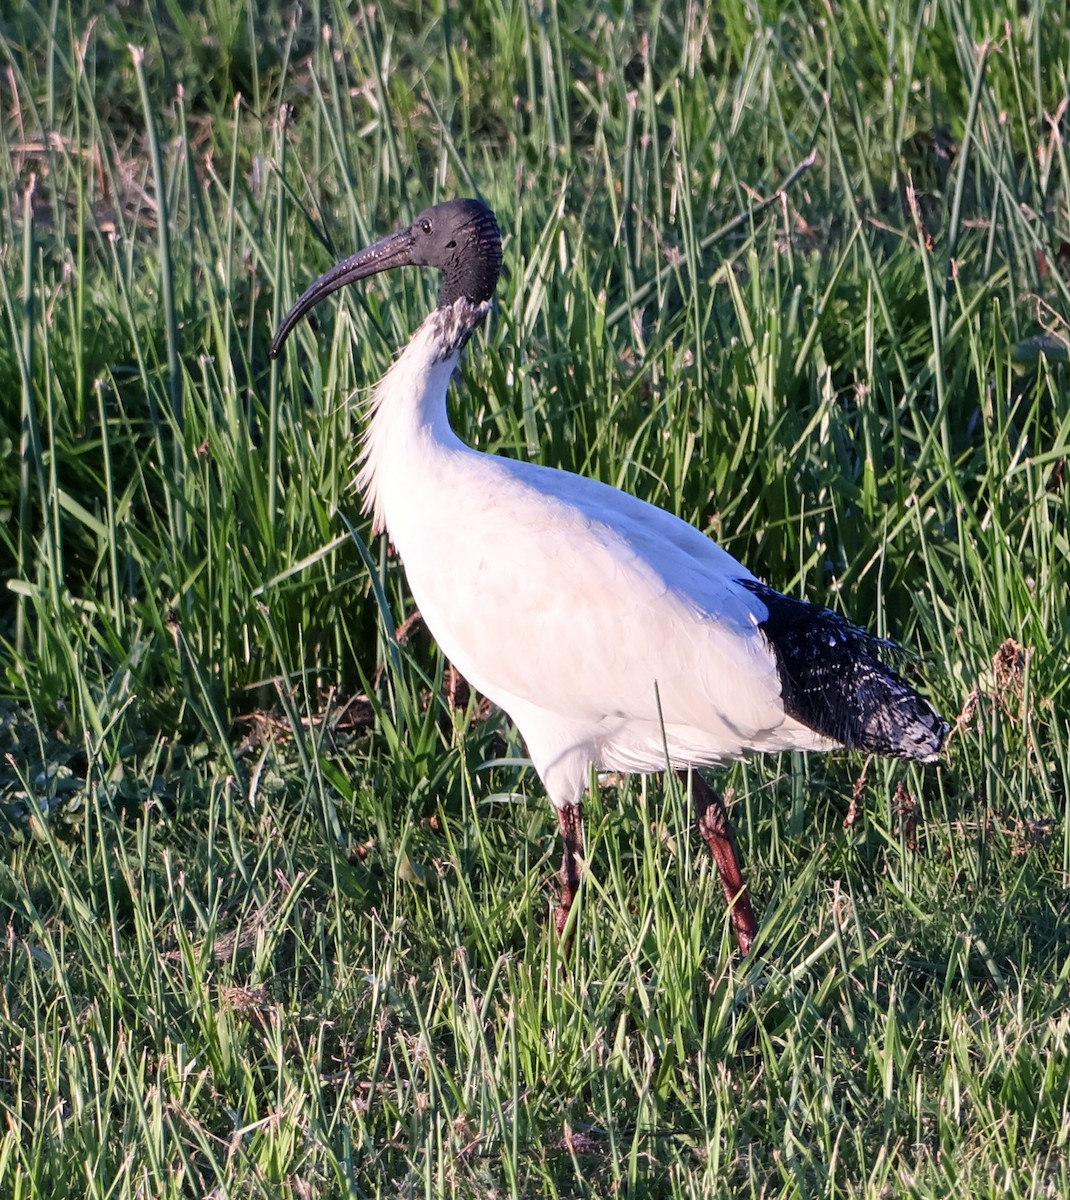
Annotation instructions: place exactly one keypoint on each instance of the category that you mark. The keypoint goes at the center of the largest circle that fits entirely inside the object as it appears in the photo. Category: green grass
(276, 912)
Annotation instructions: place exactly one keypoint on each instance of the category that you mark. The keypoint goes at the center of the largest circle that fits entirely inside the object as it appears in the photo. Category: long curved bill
(392, 251)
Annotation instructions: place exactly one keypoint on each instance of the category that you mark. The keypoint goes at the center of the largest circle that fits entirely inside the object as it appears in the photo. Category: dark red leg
(570, 819)
(716, 829)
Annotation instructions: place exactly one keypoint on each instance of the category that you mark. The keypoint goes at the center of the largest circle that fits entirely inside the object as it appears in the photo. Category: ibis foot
(716, 829)
(570, 818)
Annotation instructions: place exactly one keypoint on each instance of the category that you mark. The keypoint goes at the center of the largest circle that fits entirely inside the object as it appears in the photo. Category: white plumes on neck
(406, 418)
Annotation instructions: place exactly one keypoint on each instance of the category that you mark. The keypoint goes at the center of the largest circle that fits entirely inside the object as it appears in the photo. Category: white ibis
(615, 635)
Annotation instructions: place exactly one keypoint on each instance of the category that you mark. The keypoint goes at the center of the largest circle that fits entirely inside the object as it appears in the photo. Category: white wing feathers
(543, 585)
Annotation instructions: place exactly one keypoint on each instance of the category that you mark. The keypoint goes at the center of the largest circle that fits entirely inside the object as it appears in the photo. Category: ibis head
(460, 238)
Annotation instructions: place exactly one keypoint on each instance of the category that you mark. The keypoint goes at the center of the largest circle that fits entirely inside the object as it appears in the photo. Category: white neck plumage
(407, 422)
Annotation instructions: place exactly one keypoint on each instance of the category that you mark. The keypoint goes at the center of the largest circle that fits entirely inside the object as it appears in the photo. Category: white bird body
(614, 634)
(540, 585)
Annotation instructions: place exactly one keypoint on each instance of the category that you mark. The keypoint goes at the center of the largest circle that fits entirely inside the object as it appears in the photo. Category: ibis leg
(716, 829)
(570, 818)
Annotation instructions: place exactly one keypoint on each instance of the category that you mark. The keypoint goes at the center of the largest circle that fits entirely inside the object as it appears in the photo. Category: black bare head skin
(460, 237)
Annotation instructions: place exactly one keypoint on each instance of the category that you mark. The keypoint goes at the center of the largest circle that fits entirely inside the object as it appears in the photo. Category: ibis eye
(425, 225)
